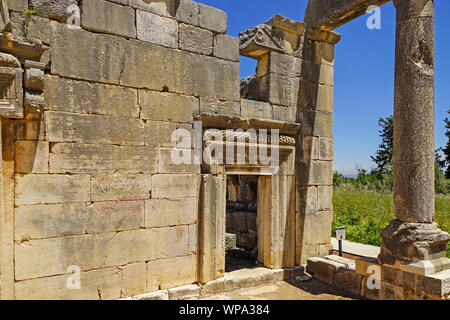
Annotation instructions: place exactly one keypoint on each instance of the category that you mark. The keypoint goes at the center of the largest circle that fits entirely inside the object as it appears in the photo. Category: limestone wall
(86, 174)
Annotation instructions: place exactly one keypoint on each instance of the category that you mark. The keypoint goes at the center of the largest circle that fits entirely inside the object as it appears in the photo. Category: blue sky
(364, 72)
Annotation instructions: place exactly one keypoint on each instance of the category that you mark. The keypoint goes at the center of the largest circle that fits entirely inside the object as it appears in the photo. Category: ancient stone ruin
(93, 205)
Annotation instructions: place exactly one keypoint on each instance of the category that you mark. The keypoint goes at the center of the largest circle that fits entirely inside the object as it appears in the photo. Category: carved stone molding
(11, 92)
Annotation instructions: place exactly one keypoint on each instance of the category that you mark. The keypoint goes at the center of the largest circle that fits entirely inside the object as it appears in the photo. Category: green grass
(365, 213)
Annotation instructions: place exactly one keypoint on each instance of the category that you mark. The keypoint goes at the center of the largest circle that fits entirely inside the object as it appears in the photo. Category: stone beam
(330, 14)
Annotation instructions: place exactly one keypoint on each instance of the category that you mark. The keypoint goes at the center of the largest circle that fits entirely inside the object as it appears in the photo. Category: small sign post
(340, 236)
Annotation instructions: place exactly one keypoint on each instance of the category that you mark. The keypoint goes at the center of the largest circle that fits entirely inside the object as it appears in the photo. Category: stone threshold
(235, 280)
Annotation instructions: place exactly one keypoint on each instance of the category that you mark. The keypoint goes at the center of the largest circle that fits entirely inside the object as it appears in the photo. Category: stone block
(284, 64)
(184, 292)
(251, 109)
(212, 18)
(173, 187)
(81, 54)
(282, 113)
(163, 106)
(103, 284)
(17, 5)
(43, 189)
(326, 148)
(47, 221)
(315, 123)
(159, 7)
(134, 278)
(96, 129)
(226, 47)
(317, 227)
(53, 9)
(318, 172)
(323, 269)
(214, 286)
(193, 238)
(159, 134)
(87, 97)
(280, 89)
(34, 79)
(437, 284)
(107, 17)
(309, 148)
(29, 129)
(164, 213)
(89, 158)
(114, 216)
(98, 250)
(316, 97)
(172, 272)
(348, 280)
(364, 263)
(31, 156)
(246, 278)
(158, 68)
(195, 39)
(156, 295)
(307, 200)
(121, 187)
(325, 201)
(230, 241)
(156, 29)
(228, 108)
(389, 291)
(187, 12)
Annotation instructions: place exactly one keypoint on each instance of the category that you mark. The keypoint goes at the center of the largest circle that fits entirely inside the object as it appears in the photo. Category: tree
(446, 150)
(384, 155)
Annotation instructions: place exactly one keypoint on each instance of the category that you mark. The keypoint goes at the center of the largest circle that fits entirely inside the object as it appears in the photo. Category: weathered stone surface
(319, 172)
(284, 64)
(326, 148)
(97, 129)
(160, 7)
(230, 241)
(54, 9)
(323, 269)
(212, 18)
(251, 109)
(195, 39)
(17, 5)
(163, 106)
(325, 201)
(38, 27)
(156, 295)
(317, 227)
(164, 213)
(66, 158)
(86, 97)
(134, 278)
(47, 221)
(316, 97)
(115, 216)
(173, 187)
(409, 242)
(34, 79)
(155, 67)
(279, 89)
(104, 16)
(166, 163)
(414, 113)
(42, 189)
(187, 12)
(184, 292)
(98, 250)
(226, 47)
(156, 29)
(29, 130)
(307, 199)
(249, 278)
(218, 107)
(328, 15)
(214, 286)
(31, 156)
(159, 134)
(87, 56)
(121, 187)
(315, 123)
(173, 272)
(282, 113)
(95, 284)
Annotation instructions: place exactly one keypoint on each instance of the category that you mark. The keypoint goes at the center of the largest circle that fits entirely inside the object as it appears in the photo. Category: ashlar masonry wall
(87, 180)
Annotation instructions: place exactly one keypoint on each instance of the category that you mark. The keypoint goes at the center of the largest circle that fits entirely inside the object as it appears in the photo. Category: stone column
(413, 237)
